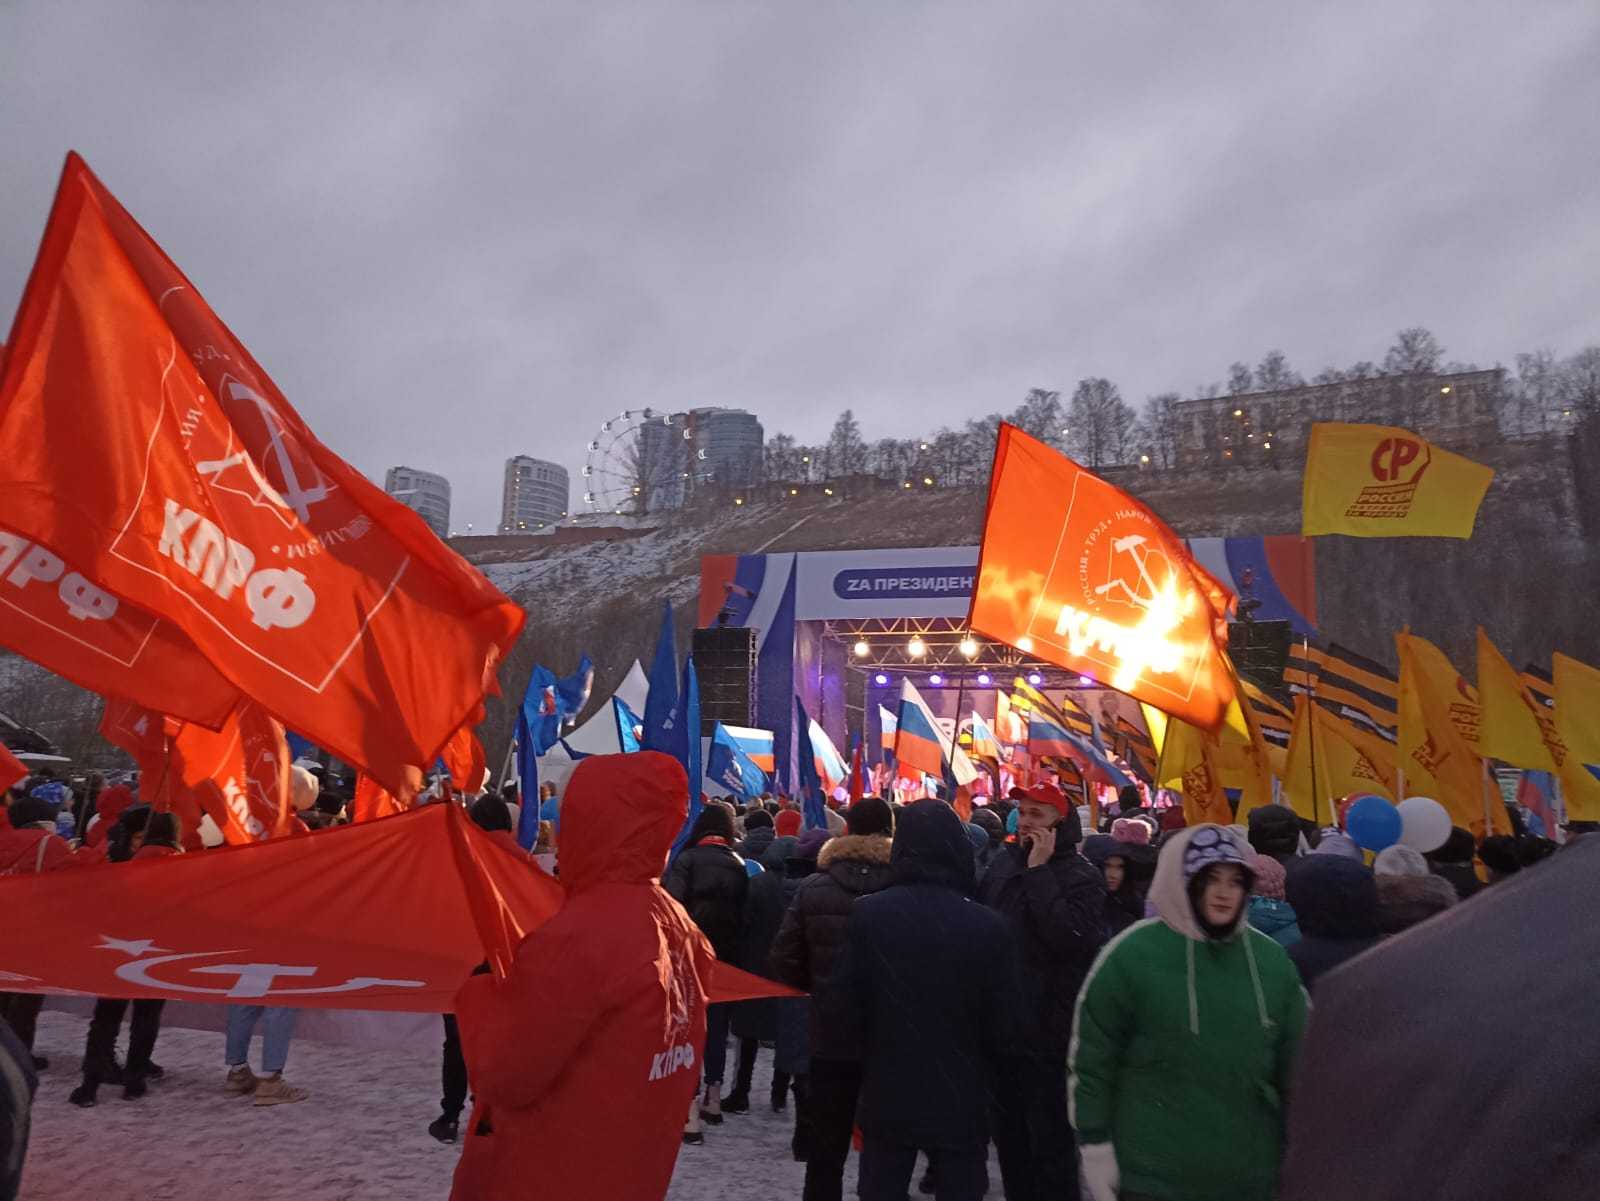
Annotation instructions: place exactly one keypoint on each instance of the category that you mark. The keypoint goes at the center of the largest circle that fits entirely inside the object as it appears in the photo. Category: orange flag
(196, 492)
(464, 760)
(54, 615)
(1077, 572)
(239, 775)
(147, 737)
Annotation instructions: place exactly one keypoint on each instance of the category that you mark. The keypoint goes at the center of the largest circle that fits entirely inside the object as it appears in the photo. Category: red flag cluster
(178, 538)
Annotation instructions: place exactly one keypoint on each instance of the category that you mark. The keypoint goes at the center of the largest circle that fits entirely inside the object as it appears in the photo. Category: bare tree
(1580, 383)
(1273, 373)
(1415, 352)
(847, 451)
(783, 458)
(1537, 393)
(1101, 423)
(1041, 415)
(1159, 432)
(1240, 379)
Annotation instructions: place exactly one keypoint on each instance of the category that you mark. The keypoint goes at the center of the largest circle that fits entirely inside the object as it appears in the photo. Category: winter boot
(84, 1095)
(692, 1135)
(780, 1092)
(134, 1086)
(275, 1090)
(711, 1106)
(154, 1071)
(444, 1128)
(737, 1101)
(241, 1081)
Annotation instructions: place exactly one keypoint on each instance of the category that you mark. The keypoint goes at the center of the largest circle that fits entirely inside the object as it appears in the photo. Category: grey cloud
(452, 234)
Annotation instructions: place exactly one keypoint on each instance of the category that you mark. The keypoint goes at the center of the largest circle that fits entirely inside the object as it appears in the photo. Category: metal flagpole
(1311, 731)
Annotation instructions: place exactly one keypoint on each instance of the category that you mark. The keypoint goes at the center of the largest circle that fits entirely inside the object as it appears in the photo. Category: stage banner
(1076, 572)
(1377, 481)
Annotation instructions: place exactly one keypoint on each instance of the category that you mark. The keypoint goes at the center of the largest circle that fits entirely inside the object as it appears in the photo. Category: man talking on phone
(1052, 898)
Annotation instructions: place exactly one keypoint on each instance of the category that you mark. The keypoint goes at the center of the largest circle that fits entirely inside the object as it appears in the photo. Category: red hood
(619, 817)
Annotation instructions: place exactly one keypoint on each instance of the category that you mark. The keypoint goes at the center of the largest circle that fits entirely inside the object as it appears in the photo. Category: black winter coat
(711, 882)
(1057, 915)
(812, 937)
(763, 914)
(1335, 901)
(929, 977)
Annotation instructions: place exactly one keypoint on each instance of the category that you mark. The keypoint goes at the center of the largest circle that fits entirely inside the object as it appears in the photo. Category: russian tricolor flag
(921, 745)
(756, 745)
(890, 723)
(983, 741)
(831, 767)
(1045, 737)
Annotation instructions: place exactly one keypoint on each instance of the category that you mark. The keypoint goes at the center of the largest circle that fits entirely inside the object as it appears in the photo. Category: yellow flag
(1436, 706)
(1578, 720)
(1241, 756)
(1188, 764)
(1515, 729)
(1376, 481)
(1347, 760)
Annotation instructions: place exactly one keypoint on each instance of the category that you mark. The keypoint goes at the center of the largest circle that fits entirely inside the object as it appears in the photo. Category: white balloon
(1424, 823)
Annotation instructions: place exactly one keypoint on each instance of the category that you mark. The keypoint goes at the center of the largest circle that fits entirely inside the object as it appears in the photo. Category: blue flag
(528, 777)
(732, 768)
(572, 693)
(540, 710)
(630, 726)
(661, 716)
(811, 802)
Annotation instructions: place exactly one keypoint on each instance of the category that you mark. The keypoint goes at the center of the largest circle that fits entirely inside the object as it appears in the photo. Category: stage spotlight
(1035, 678)
(916, 648)
(936, 679)
(985, 679)
(1086, 680)
(880, 679)
(861, 648)
(1025, 645)
(969, 647)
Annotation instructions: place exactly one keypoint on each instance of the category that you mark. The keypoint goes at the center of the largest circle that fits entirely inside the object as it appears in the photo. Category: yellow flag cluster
(1578, 726)
(1330, 758)
(1204, 764)
(1440, 720)
(1376, 481)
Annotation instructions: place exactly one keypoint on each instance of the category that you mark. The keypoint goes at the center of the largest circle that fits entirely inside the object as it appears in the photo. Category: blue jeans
(277, 1027)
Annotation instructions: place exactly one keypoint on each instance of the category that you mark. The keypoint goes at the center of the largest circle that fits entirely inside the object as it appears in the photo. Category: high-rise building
(536, 495)
(727, 446)
(424, 492)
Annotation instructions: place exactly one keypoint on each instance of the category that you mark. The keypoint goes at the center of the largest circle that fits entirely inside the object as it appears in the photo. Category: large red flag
(238, 774)
(390, 915)
(1076, 572)
(63, 621)
(141, 443)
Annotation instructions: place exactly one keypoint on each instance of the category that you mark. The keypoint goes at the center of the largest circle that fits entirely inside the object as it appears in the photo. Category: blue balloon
(1373, 823)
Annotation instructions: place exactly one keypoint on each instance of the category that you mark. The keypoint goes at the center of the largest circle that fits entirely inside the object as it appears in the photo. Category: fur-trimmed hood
(868, 848)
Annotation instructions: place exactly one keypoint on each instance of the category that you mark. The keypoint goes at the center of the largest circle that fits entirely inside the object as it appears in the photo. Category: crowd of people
(1116, 1011)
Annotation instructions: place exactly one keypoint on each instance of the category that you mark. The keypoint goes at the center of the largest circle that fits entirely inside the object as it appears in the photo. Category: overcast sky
(454, 234)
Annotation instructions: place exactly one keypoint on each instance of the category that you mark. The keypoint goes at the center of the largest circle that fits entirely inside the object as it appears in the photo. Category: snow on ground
(362, 1134)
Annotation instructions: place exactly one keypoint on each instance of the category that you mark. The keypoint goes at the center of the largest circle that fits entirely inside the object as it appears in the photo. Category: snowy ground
(362, 1134)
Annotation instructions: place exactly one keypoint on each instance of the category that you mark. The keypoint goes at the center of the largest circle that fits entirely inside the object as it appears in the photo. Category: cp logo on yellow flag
(1076, 572)
(1376, 481)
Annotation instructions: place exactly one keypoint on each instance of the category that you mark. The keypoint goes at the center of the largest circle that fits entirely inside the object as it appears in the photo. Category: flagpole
(955, 742)
(1311, 731)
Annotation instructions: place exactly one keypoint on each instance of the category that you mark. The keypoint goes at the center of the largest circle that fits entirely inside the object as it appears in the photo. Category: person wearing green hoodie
(1184, 1039)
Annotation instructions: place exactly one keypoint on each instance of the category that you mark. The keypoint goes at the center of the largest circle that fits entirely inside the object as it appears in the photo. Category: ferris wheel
(638, 462)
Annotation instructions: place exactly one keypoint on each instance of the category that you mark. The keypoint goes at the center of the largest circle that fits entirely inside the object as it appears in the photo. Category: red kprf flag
(239, 775)
(12, 769)
(63, 621)
(141, 443)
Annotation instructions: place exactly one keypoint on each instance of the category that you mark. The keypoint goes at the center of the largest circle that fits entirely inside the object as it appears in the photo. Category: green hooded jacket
(1183, 1046)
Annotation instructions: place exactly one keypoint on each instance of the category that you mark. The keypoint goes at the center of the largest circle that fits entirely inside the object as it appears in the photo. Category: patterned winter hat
(1210, 845)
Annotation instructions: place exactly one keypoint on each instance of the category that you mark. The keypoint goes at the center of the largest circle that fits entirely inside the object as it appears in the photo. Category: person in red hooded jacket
(29, 844)
(585, 1058)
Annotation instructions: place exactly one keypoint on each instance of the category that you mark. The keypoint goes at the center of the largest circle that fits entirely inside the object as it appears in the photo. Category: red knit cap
(787, 823)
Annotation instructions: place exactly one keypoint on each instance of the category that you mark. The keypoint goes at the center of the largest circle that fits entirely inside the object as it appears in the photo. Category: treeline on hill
(1098, 427)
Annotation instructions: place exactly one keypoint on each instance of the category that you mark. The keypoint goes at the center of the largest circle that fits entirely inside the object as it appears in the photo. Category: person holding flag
(1052, 899)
